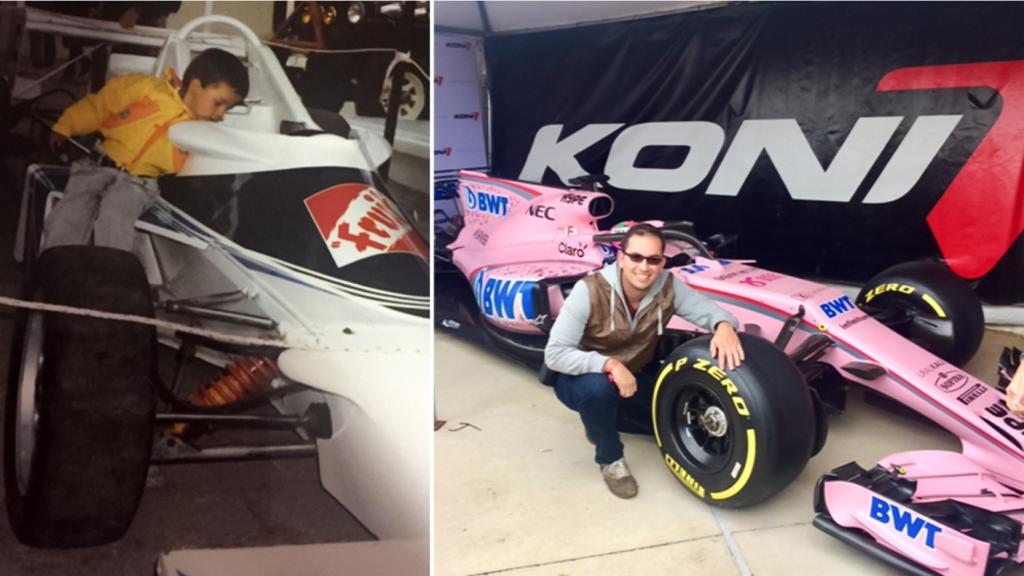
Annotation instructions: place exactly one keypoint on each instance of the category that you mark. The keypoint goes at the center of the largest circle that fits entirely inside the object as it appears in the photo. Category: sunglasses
(638, 258)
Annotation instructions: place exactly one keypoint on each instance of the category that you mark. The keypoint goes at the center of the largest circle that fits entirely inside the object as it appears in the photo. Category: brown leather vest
(634, 348)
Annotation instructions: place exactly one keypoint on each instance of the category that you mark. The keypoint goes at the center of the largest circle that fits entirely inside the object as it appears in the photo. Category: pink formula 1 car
(512, 251)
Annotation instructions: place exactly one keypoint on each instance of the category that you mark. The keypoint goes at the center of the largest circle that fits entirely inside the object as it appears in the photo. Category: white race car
(278, 254)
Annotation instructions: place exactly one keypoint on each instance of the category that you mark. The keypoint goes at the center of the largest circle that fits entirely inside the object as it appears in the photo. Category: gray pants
(101, 201)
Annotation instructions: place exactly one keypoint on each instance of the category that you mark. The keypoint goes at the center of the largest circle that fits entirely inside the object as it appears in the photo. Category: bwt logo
(443, 152)
(498, 298)
(695, 268)
(837, 307)
(439, 80)
(903, 521)
(463, 45)
(474, 116)
(484, 202)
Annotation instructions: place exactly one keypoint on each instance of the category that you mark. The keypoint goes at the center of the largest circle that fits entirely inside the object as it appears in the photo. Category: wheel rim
(27, 416)
(413, 96)
(701, 429)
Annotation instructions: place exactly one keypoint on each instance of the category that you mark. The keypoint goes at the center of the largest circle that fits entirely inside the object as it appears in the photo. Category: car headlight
(329, 14)
(356, 12)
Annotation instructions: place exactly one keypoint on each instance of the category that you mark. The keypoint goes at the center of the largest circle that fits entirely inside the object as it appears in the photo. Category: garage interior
(517, 491)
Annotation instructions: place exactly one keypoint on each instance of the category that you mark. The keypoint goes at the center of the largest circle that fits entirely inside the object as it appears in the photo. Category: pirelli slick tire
(80, 403)
(928, 304)
(733, 438)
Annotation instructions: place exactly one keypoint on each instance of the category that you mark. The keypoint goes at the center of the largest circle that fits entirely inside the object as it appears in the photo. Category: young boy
(133, 113)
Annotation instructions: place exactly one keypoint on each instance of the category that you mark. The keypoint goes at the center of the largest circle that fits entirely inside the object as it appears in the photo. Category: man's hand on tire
(726, 347)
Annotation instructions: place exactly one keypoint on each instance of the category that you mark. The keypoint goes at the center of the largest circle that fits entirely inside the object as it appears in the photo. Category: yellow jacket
(133, 114)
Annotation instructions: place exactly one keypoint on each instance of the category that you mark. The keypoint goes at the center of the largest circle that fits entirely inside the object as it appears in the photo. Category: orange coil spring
(242, 377)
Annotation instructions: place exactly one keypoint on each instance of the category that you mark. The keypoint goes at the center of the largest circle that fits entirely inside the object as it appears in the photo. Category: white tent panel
(538, 15)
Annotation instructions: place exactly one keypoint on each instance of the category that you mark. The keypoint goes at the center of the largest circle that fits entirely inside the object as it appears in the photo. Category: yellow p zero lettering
(684, 477)
(741, 406)
(748, 468)
(716, 373)
(871, 294)
(892, 287)
(681, 362)
(702, 365)
(935, 305)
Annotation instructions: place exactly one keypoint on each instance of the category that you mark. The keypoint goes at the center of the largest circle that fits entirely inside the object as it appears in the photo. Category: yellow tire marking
(935, 305)
(654, 404)
(748, 468)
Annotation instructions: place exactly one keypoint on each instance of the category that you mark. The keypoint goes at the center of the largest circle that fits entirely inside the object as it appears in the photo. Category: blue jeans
(604, 412)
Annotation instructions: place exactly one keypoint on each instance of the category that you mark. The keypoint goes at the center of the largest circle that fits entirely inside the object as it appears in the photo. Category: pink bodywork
(517, 234)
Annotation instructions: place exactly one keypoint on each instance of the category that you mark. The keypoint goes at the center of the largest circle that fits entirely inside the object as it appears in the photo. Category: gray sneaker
(619, 479)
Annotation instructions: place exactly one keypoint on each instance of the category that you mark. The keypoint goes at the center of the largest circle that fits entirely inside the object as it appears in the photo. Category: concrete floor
(211, 505)
(517, 491)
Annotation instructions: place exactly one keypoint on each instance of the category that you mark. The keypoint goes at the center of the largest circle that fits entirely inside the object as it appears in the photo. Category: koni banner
(835, 139)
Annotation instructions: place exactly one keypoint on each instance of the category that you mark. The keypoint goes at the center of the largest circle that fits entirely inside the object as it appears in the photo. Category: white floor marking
(733, 548)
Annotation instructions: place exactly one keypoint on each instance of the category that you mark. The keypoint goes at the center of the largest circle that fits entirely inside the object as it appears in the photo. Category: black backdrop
(820, 64)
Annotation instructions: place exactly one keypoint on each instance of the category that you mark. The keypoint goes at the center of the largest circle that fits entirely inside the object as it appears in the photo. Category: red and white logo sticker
(356, 222)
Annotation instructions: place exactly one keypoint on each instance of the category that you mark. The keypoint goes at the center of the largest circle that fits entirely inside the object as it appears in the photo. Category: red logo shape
(356, 221)
(979, 216)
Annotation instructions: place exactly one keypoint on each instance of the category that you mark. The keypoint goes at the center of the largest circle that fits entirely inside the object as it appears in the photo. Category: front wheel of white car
(80, 404)
(414, 100)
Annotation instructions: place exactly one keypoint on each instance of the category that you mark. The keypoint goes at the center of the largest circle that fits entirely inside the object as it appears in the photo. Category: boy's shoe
(619, 479)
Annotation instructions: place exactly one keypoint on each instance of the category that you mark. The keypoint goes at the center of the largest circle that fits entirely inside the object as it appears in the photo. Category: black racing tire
(930, 305)
(733, 438)
(76, 476)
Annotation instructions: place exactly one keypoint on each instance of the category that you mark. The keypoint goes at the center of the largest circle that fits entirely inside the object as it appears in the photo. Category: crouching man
(606, 332)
